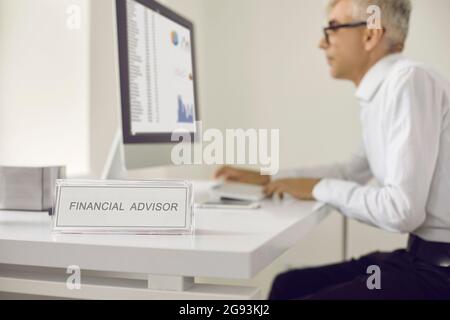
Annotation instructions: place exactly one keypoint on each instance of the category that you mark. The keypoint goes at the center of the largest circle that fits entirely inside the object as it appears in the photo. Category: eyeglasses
(327, 30)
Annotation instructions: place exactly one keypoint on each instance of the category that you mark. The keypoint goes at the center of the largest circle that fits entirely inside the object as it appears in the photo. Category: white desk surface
(227, 244)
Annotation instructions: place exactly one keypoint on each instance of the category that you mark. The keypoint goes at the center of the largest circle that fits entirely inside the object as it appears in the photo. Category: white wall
(43, 85)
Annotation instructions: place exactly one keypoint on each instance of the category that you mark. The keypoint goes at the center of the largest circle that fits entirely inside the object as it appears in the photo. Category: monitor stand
(114, 168)
(122, 158)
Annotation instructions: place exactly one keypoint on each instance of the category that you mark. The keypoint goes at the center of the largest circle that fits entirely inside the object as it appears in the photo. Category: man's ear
(372, 38)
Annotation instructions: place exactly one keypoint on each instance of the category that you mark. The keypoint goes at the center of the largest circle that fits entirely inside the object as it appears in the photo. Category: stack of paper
(28, 188)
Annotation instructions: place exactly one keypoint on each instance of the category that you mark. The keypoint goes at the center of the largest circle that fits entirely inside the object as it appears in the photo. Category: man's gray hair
(395, 16)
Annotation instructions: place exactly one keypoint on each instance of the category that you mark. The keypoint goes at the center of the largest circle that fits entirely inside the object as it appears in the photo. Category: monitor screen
(157, 74)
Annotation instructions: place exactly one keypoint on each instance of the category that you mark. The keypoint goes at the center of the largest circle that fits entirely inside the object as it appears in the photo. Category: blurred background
(259, 66)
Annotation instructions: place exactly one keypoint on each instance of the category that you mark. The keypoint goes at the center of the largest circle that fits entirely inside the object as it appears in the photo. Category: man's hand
(301, 189)
(243, 176)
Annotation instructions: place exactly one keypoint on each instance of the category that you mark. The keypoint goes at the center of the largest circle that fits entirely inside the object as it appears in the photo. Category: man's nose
(323, 44)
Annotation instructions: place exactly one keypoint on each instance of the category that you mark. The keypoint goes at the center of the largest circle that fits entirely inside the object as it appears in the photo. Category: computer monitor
(158, 83)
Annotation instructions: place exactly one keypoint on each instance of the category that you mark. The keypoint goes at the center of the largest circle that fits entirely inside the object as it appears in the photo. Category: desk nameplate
(128, 207)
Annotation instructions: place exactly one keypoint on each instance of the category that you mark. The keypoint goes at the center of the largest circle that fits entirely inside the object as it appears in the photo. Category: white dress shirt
(406, 148)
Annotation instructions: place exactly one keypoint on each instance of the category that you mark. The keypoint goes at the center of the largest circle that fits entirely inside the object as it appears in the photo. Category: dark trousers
(402, 277)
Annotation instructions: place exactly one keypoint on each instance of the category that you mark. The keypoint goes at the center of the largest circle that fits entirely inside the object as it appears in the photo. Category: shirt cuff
(335, 192)
(323, 191)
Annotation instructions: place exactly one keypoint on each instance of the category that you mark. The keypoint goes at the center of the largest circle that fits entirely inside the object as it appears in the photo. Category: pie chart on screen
(174, 37)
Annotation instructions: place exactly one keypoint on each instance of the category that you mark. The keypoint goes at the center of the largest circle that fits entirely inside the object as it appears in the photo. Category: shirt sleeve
(413, 126)
(356, 169)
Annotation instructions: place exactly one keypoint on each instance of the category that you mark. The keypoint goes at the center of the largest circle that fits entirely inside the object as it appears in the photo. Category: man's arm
(356, 169)
(300, 183)
(413, 119)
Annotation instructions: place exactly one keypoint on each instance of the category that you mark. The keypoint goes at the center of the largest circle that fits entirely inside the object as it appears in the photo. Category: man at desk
(405, 147)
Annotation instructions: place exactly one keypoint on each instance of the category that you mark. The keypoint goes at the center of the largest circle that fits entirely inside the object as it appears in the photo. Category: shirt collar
(375, 77)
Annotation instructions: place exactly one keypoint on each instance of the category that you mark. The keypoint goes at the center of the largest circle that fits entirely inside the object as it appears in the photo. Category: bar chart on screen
(185, 111)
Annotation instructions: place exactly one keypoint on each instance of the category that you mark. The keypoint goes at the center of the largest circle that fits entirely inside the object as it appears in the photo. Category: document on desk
(28, 188)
